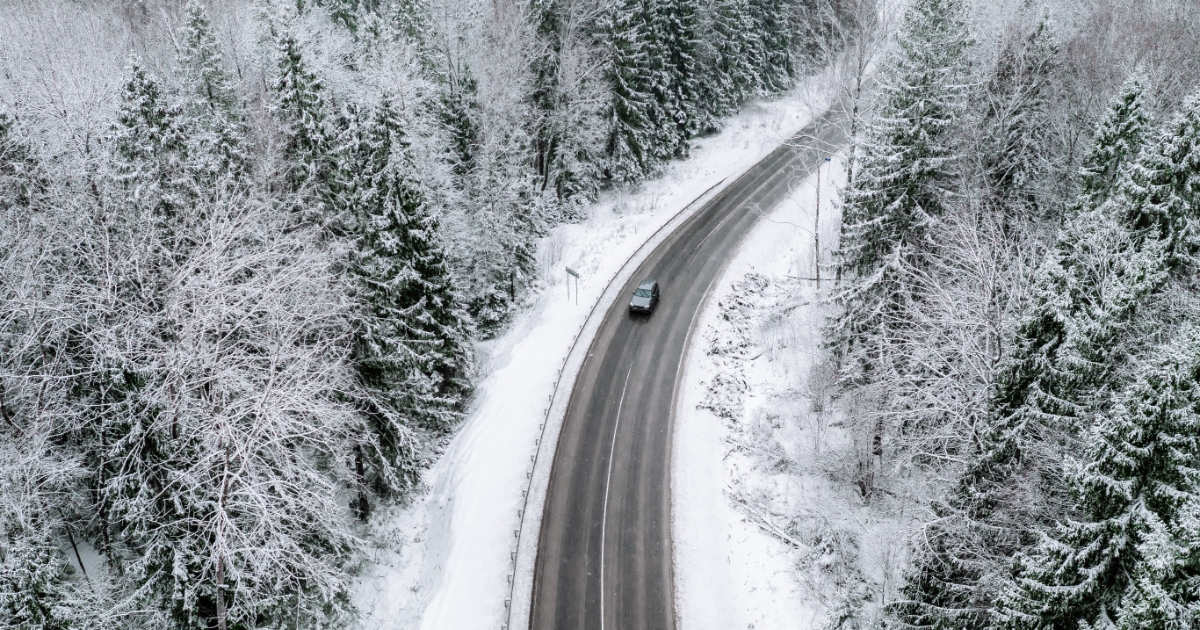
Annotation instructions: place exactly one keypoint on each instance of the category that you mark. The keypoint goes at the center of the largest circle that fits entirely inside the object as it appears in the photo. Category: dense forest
(1017, 347)
(246, 249)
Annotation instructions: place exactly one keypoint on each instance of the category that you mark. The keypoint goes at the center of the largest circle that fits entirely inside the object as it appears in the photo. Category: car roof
(647, 283)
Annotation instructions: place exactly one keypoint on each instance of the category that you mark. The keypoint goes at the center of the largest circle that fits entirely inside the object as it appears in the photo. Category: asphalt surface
(604, 552)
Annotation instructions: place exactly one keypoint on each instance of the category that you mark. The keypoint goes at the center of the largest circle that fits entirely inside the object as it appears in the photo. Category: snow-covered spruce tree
(458, 111)
(731, 66)
(493, 191)
(545, 96)
(902, 183)
(773, 23)
(204, 369)
(634, 141)
(303, 108)
(151, 147)
(748, 52)
(497, 237)
(209, 101)
(1132, 560)
(21, 180)
(1161, 195)
(34, 585)
(413, 351)
(349, 13)
(1070, 282)
(1015, 122)
(1119, 138)
(410, 18)
(681, 43)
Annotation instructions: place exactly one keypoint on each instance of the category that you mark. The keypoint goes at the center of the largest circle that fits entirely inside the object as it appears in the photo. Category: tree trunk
(221, 594)
(362, 506)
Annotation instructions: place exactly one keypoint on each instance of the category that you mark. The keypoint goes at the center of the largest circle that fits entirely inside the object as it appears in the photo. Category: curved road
(604, 552)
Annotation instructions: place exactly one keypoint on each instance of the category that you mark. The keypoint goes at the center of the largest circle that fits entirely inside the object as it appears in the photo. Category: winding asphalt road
(604, 552)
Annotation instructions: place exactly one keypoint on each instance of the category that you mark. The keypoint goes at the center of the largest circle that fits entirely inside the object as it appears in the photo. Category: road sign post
(571, 273)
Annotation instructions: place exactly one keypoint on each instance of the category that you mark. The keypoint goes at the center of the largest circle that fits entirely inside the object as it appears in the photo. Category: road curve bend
(604, 550)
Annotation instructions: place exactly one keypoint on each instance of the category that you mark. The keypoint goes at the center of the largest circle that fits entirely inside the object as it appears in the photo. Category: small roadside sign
(574, 274)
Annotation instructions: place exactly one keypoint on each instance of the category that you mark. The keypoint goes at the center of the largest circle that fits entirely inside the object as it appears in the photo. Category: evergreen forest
(1017, 341)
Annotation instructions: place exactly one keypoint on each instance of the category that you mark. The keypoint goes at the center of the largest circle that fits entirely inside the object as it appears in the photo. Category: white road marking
(608, 482)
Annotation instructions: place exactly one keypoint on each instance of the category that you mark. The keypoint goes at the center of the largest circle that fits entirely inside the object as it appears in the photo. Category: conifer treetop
(1161, 193)
(1118, 140)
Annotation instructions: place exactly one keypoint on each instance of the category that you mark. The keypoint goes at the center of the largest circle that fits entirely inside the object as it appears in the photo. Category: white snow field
(447, 560)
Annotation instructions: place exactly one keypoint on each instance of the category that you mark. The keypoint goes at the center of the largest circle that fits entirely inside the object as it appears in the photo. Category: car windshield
(642, 293)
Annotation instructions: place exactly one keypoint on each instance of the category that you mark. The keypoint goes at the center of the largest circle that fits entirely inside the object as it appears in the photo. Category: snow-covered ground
(446, 560)
(736, 566)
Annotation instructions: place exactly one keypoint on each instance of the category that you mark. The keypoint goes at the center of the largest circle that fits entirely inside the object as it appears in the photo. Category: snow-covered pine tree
(633, 111)
(733, 69)
(682, 45)
(458, 110)
(773, 24)
(1132, 559)
(150, 145)
(210, 100)
(1119, 138)
(1161, 193)
(1015, 122)
(413, 352)
(303, 107)
(902, 182)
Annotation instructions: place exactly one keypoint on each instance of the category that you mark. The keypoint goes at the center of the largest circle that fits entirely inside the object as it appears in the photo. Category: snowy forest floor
(443, 561)
(769, 529)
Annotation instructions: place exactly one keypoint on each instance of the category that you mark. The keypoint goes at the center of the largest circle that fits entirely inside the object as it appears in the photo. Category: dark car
(645, 297)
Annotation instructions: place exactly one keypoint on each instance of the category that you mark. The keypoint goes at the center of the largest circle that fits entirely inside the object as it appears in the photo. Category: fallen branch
(765, 523)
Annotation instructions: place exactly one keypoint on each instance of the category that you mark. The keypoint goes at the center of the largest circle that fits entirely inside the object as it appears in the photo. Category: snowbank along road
(604, 552)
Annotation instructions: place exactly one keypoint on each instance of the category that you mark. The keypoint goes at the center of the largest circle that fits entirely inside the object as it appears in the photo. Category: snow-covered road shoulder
(734, 566)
